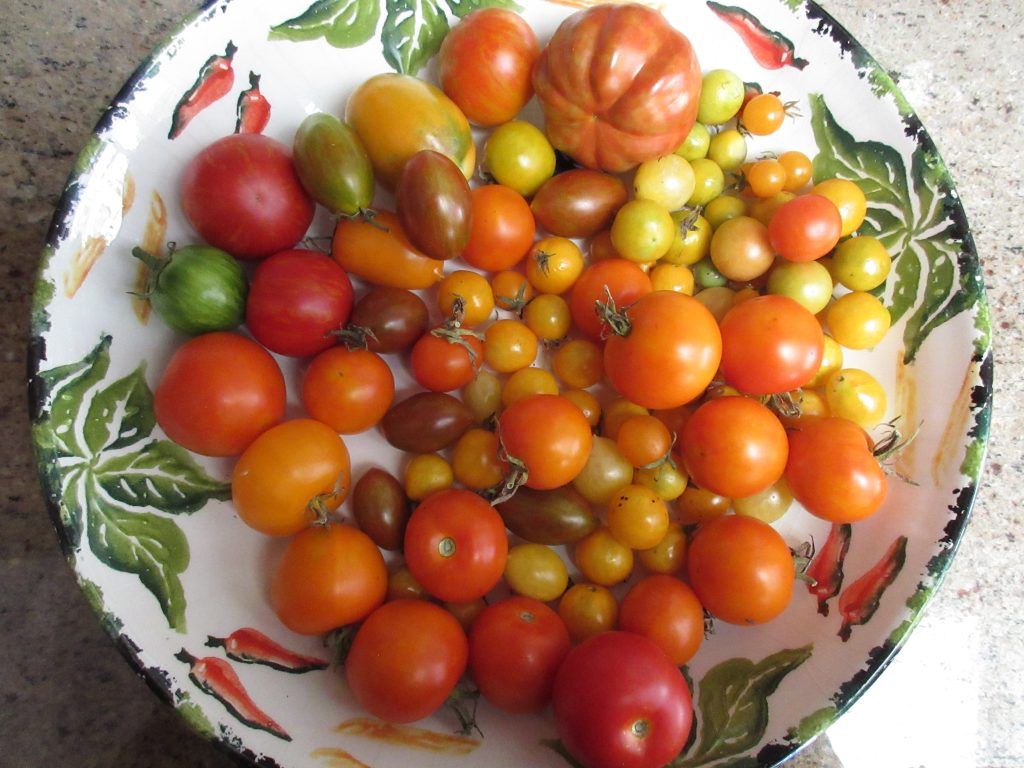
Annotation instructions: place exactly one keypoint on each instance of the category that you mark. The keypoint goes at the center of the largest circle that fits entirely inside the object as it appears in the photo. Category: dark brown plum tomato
(381, 508)
(426, 422)
(434, 203)
(555, 517)
(579, 202)
(395, 317)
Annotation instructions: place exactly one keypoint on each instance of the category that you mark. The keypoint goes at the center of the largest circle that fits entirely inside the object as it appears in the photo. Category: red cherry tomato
(443, 359)
(623, 279)
(805, 228)
(549, 435)
(666, 611)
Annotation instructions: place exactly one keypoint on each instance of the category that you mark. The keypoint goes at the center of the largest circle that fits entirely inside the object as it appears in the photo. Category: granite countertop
(955, 694)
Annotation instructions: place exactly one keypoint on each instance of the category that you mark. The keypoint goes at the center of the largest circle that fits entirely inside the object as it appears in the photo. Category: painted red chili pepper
(252, 109)
(214, 81)
(219, 679)
(860, 600)
(770, 49)
(250, 646)
(826, 569)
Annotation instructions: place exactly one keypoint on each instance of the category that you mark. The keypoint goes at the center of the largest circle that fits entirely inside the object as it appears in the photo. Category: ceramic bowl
(179, 582)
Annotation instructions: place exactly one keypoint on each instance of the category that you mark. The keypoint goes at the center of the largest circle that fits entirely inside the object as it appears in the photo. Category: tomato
(515, 648)
(692, 238)
(709, 181)
(528, 381)
(509, 345)
(606, 472)
(624, 280)
(833, 471)
(426, 422)
(327, 577)
(667, 180)
(296, 300)
(665, 353)
(456, 545)
(620, 701)
(536, 571)
(766, 177)
(698, 504)
(332, 164)
(763, 114)
(637, 516)
(429, 120)
(741, 569)
(806, 282)
(642, 231)
(848, 198)
(587, 402)
(380, 252)
(556, 516)
(588, 609)
(602, 558)
(644, 439)
(350, 390)
(242, 195)
(406, 659)
(484, 64)
(856, 395)
(475, 460)
(427, 473)
(740, 249)
(579, 202)
(518, 155)
(392, 318)
(770, 344)
(734, 446)
(768, 505)
(799, 170)
(665, 479)
(402, 585)
(728, 148)
(721, 96)
(553, 264)
(669, 554)
(502, 228)
(512, 291)
(289, 475)
(597, 109)
(862, 263)
(218, 392)
(666, 611)
(858, 320)
(549, 436)
(579, 363)
(805, 228)
(434, 204)
(446, 358)
(380, 508)
(482, 396)
(696, 143)
(549, 317)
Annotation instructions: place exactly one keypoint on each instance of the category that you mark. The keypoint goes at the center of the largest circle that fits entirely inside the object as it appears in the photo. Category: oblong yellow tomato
(379, 251)
(398, 115)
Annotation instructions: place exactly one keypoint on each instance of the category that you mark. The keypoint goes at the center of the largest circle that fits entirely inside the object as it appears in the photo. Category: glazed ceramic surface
(179, 582)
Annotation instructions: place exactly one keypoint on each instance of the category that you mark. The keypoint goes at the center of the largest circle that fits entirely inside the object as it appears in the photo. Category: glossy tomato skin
(549, 435)
(485, 63)
(426, 422)
(296, 299)
(669, 354)
(394, 317)
(350, 390)
(666, 611)
(618, 85)
(515, 648)
(327, 577)
(619, 702)
(456, 545)
(242, 195)
(625, 280)
(381, 253)
(218, 392)
(833, 471)
(433, 201)
(579, 202)
(770, 344)
(442, 362)
(406, 659)
(805, 228)
(502, 228)
(741, 569)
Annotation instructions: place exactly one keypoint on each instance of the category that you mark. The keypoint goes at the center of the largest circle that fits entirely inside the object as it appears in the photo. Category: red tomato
(770, 344)
(502, 230)
(833, 471)
(667, 353)
(328, 576)
(618, 85)
(623, 279)
(666, 611)
(456, 545)
(515, 648)
(218, 392)
(443, 360)
(296, 299)
(805, 228)
(485, 63)
(406, 659)
(741, 569)
(242, 195)
(549, 435)
(349, 390)
(734, 446)
(620, 702)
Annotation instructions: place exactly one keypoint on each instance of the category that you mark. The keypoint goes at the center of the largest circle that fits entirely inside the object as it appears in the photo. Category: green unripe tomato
(721, 97)
(519, 155)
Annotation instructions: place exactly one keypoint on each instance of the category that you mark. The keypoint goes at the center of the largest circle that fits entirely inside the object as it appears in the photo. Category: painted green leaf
(733, 704)
(145, 544)
(412, 33)
(120, 415)
(462, 8)
(161, 475)
(812, 725)
(933, 278)
(342, 23)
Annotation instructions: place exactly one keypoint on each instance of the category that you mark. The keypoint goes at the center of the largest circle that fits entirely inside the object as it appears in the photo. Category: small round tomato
(858, 320)
(808, 283)
(642, 231)
(509, 345)
(350, 390)
(799, 170)
(289, 475)
(698, 504)
(770, 344)
(848, 198)
(855, 394)
(667, 180)
(768, 505)
(218, 392)
(622, 279)
(669, 554)
(329, 576)
(553, 264)
(620, 701)
(548, 437)
(456, 545)
(721, 96)
(644, 439)
(579, 363)
(548, 316)
(519, 155)
(665, 479)
(692, 238)
(637, 516)
(475, 460)
(696, 143)
(734, 446)
(526, 382)
(588, 609)
(605, 473)
(482, 396)
(666, 611)
(536, 571)
(740, 249)
(466, 297)
(515, 648)
(862, 263)
(502, 230)
(728, 148)
(805, 228)
(602, 558)
(406, 659)
(511, 289)
(427, 473)
(391, 319)
(763, 114)
(741, 569)
(446, 358)
(709, 181)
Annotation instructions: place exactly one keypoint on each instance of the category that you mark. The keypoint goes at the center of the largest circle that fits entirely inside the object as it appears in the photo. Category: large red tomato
(242, 195)
(618, 85)
(620, 701)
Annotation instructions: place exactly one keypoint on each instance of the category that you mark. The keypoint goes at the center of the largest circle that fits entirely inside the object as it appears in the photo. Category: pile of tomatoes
(623, 377)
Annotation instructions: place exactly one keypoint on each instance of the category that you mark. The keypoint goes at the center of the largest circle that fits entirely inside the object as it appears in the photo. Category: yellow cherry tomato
(553, 264)
(588, 609)
(537, 571)
(466, 296)
(425, 474)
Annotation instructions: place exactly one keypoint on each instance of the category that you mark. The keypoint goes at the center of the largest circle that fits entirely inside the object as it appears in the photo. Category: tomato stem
(354, 336)
(617, 321)
(455, 335)
(463, 702)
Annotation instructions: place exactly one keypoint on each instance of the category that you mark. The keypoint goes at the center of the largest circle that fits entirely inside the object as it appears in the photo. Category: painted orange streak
(82, 262)
(153, 238)
(336, 758)
(906, 409)
(950, 448)
(408, 736)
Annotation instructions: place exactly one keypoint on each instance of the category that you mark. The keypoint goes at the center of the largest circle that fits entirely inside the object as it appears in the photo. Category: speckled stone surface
(955, 694)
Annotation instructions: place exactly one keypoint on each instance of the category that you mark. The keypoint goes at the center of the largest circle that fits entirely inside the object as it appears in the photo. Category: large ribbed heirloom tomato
(618, 85)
